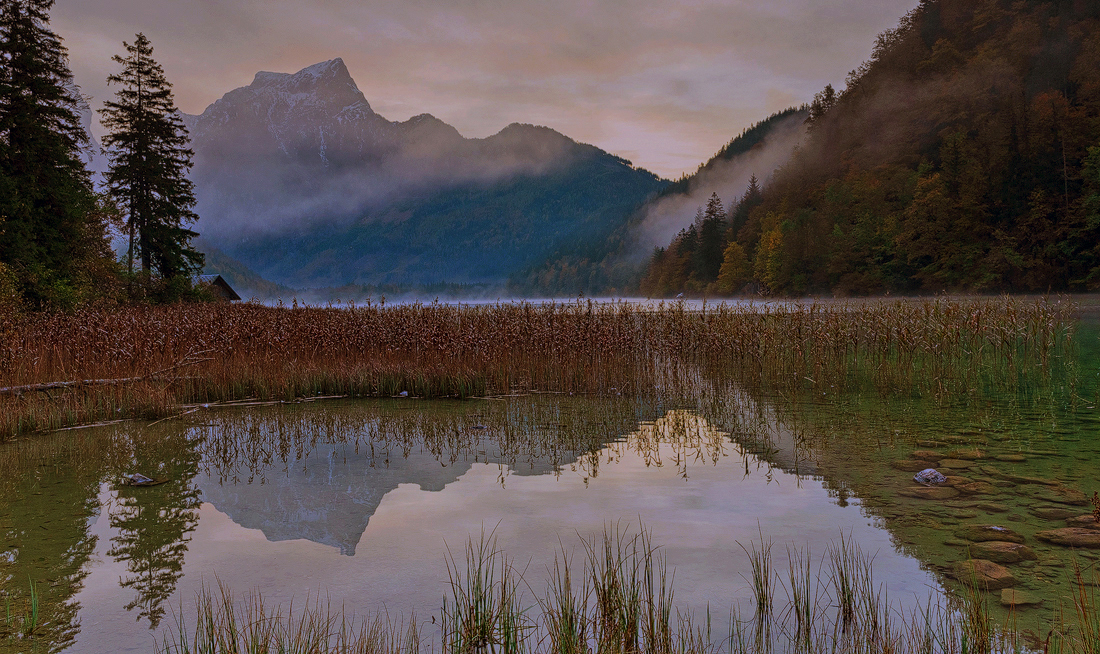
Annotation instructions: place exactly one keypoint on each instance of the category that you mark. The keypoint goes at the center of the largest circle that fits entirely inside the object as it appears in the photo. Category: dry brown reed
(280, 353)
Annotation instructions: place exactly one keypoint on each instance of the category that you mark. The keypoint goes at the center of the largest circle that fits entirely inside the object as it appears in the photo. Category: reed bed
(224, 625)
(620, 600)
(148, 361)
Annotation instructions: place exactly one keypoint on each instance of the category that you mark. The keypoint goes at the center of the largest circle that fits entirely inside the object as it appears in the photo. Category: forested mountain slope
(613, 261)
(963, 156)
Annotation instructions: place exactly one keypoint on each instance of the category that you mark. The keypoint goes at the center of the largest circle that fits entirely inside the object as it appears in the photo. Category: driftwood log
(49, 386)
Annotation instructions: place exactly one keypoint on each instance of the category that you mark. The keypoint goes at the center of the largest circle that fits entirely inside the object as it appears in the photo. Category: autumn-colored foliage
(963, 156)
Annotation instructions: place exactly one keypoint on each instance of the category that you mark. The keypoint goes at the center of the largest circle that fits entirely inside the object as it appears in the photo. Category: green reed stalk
(484, 611)
(30, 620)
(762, 579)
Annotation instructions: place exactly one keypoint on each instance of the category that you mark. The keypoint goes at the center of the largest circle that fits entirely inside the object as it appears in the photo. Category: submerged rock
(983, 574)
(1053, 513)
(906, 465)
(1062, 495)
(926, 455)
(1024, 479)
(982, 533)
(956, 464)
(1087, 521)
(1071, 537)
(1011, 458)
(967, 454)
(992, 507)
(977, 488)
(930, 492)
(929, 476)
(1013, 597)
(999, 551)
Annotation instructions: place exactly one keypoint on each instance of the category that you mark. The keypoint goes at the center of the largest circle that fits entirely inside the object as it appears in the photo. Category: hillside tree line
(964, 155)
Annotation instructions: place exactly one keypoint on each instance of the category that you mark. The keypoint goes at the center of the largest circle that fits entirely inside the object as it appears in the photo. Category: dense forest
(963, 156)
(605, 260)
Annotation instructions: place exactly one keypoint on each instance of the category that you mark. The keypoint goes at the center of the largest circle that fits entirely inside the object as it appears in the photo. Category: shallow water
(359, 502)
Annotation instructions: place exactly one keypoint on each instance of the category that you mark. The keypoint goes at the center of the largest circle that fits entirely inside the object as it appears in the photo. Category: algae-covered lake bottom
(358, 502)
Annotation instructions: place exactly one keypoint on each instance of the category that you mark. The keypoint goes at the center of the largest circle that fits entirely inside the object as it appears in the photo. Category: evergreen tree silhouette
(149, 160)
(47, 217)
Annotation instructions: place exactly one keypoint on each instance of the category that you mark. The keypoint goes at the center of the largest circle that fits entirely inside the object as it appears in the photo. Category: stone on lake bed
(926, 455)
(956, 542)
(1087, 521)
(1011, 458)
(957, 464)
(977, 488)
(1053, 513)
(929, 476)
(929, 444)
(1071, 537)
(1024, 479)
(909, 465)
(982, 533)
(992, 507)
(1061, 495)
(966, 454)
(930, 492)
(1013, 597)
(999, 551)
(952, 480)
(983, 574)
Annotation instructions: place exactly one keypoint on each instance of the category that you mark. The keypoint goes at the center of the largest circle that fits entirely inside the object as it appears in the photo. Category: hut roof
(218, 285)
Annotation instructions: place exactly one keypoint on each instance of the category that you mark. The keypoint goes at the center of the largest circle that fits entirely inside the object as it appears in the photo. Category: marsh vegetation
(59, 370)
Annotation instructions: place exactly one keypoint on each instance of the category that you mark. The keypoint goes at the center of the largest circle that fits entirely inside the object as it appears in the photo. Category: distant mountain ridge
(299, 179)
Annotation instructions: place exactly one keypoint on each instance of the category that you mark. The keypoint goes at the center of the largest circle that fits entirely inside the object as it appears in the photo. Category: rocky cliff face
(297, 167)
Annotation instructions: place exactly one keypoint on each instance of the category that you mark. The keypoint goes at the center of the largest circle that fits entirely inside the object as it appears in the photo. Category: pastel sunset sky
(663, 83)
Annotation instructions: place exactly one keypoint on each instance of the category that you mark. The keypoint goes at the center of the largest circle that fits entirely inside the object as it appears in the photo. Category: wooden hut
(217, 285)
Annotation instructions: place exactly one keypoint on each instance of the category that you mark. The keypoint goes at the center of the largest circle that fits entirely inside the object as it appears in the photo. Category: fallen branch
(49, 386)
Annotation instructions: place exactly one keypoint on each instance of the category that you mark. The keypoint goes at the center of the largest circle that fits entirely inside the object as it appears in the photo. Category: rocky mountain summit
(300, 179)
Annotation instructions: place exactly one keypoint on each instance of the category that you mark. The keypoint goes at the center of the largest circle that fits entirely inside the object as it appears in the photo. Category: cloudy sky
(663, 83)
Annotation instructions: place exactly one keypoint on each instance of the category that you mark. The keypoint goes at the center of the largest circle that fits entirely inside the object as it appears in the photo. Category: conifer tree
(149, 159)
(46, 197)
(712, 243)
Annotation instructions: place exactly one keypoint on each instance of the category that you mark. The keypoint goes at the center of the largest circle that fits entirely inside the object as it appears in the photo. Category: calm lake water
(358, 502)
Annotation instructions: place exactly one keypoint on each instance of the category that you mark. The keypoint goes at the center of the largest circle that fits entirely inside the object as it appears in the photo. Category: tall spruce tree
(48, 226)
(712, 240)
(149, 159)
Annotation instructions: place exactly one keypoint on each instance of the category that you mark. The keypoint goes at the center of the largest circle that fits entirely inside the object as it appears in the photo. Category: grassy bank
(58, 370)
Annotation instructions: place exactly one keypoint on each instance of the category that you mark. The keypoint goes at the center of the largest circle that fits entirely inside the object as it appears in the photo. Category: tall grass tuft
(485, 612)
(763, 583)
(225, 626)
(802, 596)
(565, 609)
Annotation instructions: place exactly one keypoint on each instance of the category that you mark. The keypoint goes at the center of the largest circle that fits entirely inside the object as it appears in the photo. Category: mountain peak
(332, 71)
